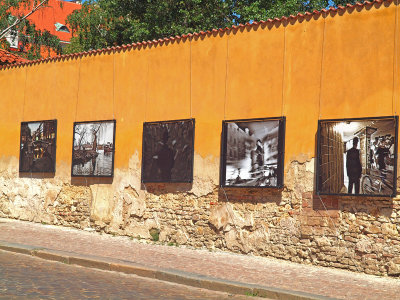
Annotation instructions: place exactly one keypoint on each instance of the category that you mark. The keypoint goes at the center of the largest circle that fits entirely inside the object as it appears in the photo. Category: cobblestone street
(227, 266)
(24, 277)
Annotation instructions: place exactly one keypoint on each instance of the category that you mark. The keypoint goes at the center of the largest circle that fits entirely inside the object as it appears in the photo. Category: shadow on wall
(370, 205)
(87, 181)
(41, 175)
(165, 188)
(250, 195)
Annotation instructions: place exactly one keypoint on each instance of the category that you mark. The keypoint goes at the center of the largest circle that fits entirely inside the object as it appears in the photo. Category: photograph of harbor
(93, 149)
(38, 146)
(252, 153)
(168, 149)
(358, 156)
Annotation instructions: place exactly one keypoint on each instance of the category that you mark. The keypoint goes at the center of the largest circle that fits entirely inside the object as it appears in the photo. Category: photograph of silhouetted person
(252, 153)
(168, 151)
(165, 158)
(353, 167)
(257, 159)
(358, 156)
(382, 152)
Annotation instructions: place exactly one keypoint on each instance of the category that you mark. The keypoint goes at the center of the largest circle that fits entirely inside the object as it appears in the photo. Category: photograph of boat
(93, 149)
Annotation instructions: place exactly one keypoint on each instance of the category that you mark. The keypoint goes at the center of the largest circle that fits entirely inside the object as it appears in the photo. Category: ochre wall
(341, 64)
(333, 67)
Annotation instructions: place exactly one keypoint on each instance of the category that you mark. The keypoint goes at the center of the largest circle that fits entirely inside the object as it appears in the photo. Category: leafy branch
(19, 20)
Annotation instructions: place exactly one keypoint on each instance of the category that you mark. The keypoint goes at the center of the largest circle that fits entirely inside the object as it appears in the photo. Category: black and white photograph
(253, 153)
(38, 146)
(93, 149)
(357, 156)
(168, 149)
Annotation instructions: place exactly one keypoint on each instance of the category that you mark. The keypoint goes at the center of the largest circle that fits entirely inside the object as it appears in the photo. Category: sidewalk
(222, 271)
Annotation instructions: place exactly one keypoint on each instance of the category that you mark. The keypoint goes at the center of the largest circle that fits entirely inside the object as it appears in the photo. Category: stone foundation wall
(358, 234)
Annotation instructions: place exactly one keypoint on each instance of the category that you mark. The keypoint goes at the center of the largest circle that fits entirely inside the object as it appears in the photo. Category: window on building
(61, 27)
(12, 38)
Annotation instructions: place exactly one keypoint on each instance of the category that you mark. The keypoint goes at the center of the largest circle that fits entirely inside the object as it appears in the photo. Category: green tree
(14, 20)
(104, 23)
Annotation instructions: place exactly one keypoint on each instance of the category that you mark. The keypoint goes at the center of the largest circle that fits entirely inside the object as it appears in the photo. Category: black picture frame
(281, 152)
(318, 180)
(21, 163)
(146, 125)
(113, 152)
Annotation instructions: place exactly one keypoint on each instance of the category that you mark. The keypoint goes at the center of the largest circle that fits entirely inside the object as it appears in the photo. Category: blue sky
(331, 3)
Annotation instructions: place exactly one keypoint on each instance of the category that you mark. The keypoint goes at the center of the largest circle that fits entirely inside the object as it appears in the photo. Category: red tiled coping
(10, 58)
(270, 22)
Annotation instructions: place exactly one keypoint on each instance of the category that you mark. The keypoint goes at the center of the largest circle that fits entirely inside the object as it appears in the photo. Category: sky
(104, 136)
(34, 126)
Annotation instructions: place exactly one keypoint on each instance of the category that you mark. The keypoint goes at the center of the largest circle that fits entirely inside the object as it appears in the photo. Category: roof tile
(7, 58)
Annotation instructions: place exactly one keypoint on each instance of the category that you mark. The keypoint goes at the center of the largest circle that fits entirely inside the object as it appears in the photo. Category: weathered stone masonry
(352, 233)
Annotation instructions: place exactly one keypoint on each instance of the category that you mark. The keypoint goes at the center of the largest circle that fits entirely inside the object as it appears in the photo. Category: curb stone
(169, 275)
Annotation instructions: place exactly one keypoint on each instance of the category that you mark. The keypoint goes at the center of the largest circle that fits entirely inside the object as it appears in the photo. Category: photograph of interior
(357, 156)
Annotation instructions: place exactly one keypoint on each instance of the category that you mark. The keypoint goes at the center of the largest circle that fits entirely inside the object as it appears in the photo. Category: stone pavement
(27, 277)
(285, 280)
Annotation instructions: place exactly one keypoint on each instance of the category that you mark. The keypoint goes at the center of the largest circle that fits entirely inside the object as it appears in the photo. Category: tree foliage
(33, 41)
(104, 23)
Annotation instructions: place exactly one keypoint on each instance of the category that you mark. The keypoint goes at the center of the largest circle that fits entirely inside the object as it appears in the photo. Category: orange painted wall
(340, 66)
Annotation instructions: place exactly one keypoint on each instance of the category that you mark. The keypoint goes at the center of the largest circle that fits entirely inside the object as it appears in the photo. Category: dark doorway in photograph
(38, 146)
(357, 156)
(253, 153)
(168, 149)
(93, 149)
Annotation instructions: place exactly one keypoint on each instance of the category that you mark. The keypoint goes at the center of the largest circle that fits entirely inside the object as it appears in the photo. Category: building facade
(52, 18)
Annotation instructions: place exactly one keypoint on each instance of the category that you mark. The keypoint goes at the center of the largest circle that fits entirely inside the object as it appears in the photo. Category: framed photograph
(38, 147)
(253, 153)
(93, 149)
(168, 150)
(357, 156)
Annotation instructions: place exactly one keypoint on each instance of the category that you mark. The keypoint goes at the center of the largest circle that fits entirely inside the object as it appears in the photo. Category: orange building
(52, 18)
